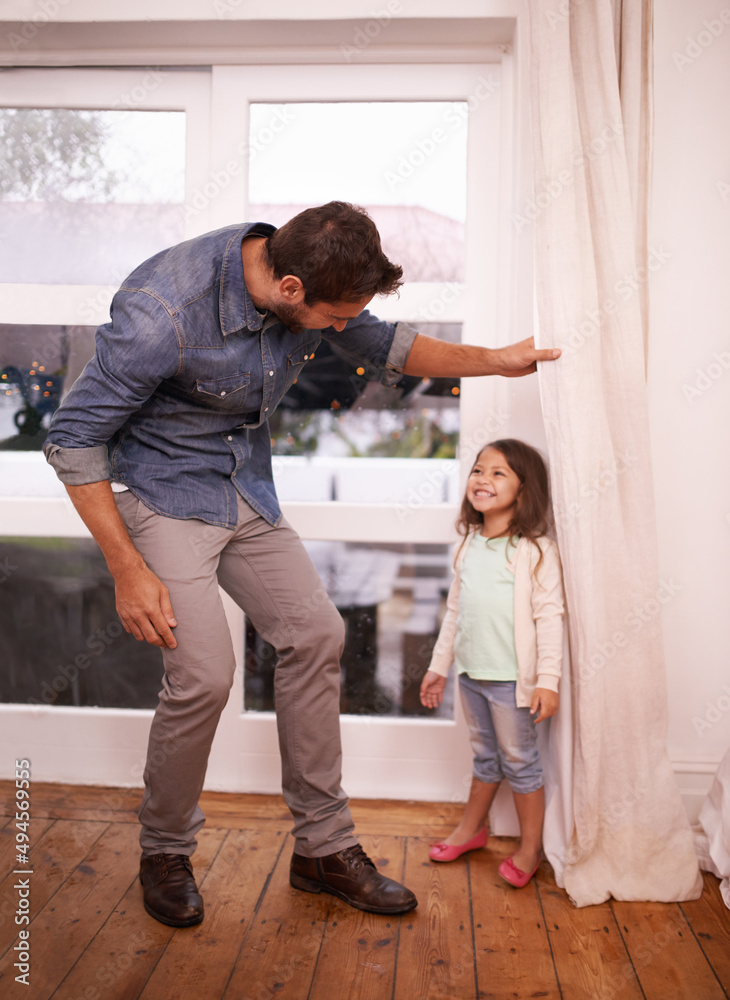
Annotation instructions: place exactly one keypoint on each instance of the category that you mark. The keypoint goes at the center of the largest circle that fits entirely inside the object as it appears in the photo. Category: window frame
(245, 753)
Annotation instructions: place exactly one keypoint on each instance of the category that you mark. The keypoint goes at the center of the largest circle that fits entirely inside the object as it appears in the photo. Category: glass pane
(332, 421)
(38, 365)
(86, 196)
(404, 162)
(62, 642)
(392, 599)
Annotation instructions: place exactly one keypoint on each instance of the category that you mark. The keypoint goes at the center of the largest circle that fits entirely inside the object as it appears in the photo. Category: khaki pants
(269, 575)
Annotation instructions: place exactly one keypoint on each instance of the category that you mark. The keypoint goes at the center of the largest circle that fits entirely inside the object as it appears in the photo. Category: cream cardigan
(538, 619)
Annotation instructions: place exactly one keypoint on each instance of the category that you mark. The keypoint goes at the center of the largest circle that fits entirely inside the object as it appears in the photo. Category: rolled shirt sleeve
(134, 353)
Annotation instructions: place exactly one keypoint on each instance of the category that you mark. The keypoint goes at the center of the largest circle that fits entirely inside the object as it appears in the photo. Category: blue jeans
(502, 735)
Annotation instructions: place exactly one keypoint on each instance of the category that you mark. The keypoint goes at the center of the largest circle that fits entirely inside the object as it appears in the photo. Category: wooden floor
(471, 936)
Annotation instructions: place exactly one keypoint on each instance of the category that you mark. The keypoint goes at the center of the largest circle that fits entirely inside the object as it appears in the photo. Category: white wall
(689, 387)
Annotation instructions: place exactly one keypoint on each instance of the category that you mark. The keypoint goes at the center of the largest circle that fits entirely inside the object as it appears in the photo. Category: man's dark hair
(335, 251)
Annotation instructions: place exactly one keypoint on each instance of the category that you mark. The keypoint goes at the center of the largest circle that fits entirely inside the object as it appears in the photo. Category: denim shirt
(175, 402)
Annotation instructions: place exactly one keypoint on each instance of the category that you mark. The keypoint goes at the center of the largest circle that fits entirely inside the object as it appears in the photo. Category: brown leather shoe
(170, 893)
(351, 875)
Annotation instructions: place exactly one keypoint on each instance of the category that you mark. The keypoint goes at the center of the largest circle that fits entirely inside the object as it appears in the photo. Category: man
(164, 448)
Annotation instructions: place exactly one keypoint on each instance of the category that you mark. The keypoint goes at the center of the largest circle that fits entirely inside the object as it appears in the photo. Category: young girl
(503, 629)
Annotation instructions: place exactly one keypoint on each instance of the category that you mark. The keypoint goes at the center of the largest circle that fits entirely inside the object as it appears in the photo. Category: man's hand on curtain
(430, 357)
(520, 359)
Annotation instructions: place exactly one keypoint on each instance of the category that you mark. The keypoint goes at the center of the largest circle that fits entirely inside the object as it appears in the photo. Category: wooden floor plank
(710, 921)
(279, 955)
(511, 946)
(61, 847)
(588, 950)
(237, 811)
(68, 922)
(435, 949)
(8, 863)
(359, 949)
(124, 952)
(665, 954)
(426, 820)
(84, 802)
(92, 940)
(197, 962)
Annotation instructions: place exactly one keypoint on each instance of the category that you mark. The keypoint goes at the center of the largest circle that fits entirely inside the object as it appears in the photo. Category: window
(391, 598)
(86, 195)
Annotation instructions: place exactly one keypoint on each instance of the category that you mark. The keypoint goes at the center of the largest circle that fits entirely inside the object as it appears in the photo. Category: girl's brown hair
(532, 516)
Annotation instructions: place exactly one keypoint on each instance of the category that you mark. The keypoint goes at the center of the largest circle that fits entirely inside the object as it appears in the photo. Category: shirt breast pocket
(227, 393)
(298, 359)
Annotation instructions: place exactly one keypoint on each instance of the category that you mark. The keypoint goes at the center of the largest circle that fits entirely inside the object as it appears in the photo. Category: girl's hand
(432, 689)
(544, 702)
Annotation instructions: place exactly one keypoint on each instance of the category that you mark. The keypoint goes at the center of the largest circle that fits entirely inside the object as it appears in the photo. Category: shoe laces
(356, 856)
(178, 862)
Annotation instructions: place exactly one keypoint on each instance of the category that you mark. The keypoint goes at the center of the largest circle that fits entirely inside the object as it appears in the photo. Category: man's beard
(289, 316)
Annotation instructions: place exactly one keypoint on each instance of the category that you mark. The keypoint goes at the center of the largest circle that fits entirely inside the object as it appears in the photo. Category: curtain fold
(591, 127)
(712, 836)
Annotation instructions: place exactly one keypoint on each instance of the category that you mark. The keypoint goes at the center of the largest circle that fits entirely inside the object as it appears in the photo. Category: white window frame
(107, 745)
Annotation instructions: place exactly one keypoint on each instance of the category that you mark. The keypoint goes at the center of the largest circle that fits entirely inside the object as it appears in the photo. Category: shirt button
(230, 438)
(271, 373)
(306, 357)
(266, 409)
(223, 392)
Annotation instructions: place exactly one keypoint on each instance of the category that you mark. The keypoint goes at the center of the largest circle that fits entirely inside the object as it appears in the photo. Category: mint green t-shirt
(485, 639)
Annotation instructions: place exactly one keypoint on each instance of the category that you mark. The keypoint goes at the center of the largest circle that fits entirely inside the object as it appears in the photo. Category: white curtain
(712, 838)
(615, 824)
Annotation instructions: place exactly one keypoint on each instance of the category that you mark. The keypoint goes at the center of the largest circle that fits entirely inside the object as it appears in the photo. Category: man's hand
(143, 604)
(521, 358)
(143, 601)
(433, 358)
(545, 703)
(432, 689)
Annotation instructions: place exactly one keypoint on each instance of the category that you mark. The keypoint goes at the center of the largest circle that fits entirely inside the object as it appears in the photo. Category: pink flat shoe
(450, 852)
(514, 875)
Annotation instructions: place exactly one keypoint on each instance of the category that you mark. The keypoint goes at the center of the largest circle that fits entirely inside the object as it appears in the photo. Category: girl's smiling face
(492, 488)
